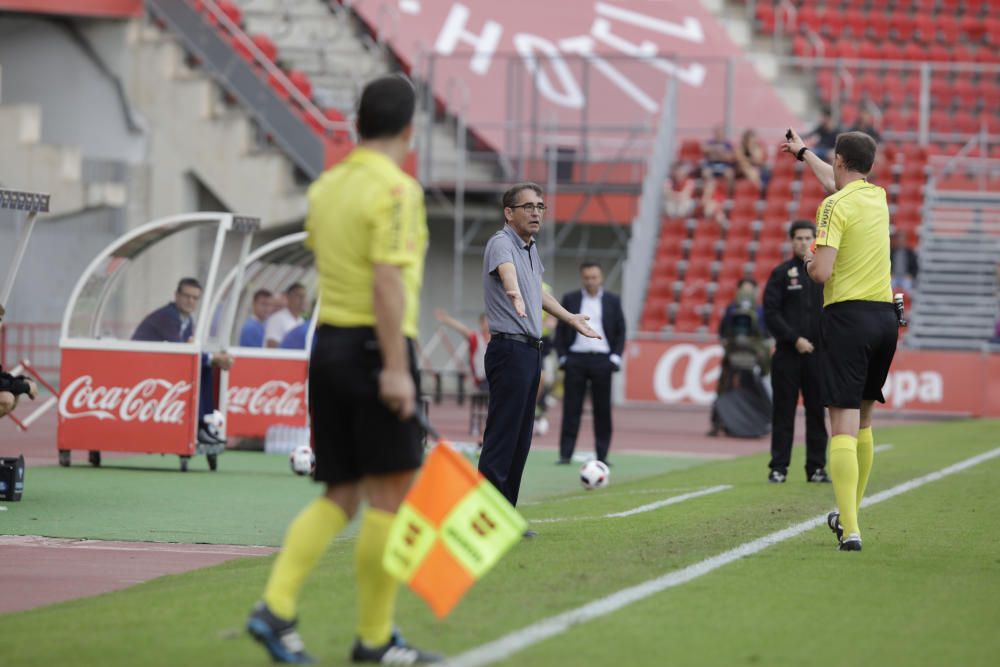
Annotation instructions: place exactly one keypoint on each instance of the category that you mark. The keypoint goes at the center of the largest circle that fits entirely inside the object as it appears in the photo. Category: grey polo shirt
(507, 246)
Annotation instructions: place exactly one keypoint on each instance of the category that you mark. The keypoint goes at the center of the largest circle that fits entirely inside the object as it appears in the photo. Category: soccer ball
(303, 460)
(594, 474)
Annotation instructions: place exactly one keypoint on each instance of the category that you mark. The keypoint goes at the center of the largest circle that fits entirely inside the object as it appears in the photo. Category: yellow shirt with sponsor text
(366, 211)
(855, 221)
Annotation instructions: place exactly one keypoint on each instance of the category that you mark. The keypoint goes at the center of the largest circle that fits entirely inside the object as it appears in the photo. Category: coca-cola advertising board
(919, 381)
(128, 400)
(264, 391)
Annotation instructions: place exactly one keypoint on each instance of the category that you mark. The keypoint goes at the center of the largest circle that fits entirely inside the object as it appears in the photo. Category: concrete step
(198, 132)
(28, 163)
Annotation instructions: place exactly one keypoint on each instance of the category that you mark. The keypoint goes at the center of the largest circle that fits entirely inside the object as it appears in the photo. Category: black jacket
(793, 304)
(15, 384)
(612, 319)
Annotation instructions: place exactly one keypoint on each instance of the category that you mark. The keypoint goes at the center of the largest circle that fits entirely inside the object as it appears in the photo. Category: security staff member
(512, 287)
(859, 325)
(793, 304)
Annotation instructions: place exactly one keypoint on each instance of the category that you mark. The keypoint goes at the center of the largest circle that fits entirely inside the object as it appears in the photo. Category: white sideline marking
(882, 448)
(518, 640)
(673, 500)
(670, 501)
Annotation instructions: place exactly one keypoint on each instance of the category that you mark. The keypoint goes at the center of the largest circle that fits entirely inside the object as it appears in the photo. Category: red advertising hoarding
(920, 381)
(128, 400)
(264, 392)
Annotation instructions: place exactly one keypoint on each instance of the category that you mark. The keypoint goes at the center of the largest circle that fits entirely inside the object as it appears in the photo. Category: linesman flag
(450, 530)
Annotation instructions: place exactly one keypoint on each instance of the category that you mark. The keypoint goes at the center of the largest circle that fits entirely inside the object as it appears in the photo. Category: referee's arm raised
(822, 170)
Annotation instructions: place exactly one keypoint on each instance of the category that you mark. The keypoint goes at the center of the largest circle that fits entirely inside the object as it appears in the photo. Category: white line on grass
(555, 625)
(882, 448)
(670, 501)
(673, 500)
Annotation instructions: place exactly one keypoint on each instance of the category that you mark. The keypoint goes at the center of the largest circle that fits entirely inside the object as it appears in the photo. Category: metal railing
(283, 118)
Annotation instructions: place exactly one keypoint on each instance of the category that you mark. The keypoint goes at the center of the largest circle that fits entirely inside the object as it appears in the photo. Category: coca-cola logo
(151, 400)
(275, 398)
(687, 372)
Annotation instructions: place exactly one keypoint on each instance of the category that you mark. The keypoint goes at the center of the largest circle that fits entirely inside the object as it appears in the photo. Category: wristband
(800, 156)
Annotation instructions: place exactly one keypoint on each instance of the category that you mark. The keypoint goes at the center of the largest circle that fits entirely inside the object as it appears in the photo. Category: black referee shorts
(859, 341)
(354, 434)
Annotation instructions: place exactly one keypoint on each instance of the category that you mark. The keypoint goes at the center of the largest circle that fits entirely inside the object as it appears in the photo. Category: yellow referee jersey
(366, 211)
(855, 221)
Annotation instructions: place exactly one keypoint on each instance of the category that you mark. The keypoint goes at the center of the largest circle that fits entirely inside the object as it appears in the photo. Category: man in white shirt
(286, 319)
(590, 361)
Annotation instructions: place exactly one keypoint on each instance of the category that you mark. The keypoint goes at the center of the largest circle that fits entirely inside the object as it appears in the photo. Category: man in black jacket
(13, 387)
(793, 305)
(589, 360)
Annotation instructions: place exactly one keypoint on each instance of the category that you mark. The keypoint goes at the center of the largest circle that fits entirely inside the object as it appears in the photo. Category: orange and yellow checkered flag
(450, 530)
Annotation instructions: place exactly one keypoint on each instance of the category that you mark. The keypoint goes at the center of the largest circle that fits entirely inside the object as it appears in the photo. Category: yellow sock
(844, 471)
(308, 536)
(866, 455)
(376, 587)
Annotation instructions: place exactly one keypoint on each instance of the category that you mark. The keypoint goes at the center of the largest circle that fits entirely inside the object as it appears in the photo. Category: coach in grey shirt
(512, 286)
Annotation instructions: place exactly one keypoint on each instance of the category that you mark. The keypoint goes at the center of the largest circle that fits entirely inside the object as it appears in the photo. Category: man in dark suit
(174, 323)
(590, 360)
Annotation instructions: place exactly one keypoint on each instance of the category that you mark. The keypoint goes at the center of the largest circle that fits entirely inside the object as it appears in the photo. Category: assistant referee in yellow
(859, 325)
(367, 227)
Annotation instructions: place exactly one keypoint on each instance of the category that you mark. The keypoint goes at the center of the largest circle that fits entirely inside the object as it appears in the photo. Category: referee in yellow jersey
(859, 324)
(368, 230)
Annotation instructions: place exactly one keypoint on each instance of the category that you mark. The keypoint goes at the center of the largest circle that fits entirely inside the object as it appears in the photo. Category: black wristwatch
(800, 156)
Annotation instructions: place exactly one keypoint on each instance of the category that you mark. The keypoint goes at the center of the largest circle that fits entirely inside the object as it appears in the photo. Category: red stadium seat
(736, 237)
(702, 249)
(691, 150)
(262, 42)
(706, 228)
(668, 249)
(689, 317)
(698, 269)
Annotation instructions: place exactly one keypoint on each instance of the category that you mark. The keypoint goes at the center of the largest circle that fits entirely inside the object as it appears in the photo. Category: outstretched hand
(518, 302)
(579, 322)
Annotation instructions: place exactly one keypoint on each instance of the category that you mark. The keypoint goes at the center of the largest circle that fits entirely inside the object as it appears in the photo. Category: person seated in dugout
(174, 323)
(12, 387)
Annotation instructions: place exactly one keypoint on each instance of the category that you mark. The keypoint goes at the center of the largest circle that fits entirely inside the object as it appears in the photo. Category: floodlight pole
(33, 203)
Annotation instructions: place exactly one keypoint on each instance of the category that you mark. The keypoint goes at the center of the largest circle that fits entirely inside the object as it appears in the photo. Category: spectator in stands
(903, 260)
(720, 158)
(252, 333)
(12, 387)
(826, 136)
(751, 158)
(174, 323)
(286, 319)
(866, 124)
(717, 174)
(477, 339)
(678, 191)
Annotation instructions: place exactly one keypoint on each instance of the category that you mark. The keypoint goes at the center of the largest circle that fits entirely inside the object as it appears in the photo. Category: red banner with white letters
(585, 62)
(919, 381)
(128, 400)
(264, 391)
(106, 8)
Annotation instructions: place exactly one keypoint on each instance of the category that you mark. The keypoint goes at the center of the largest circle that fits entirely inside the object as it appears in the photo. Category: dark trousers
(206, 396)
(581, 370)
(792, 372)
(513, 370)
